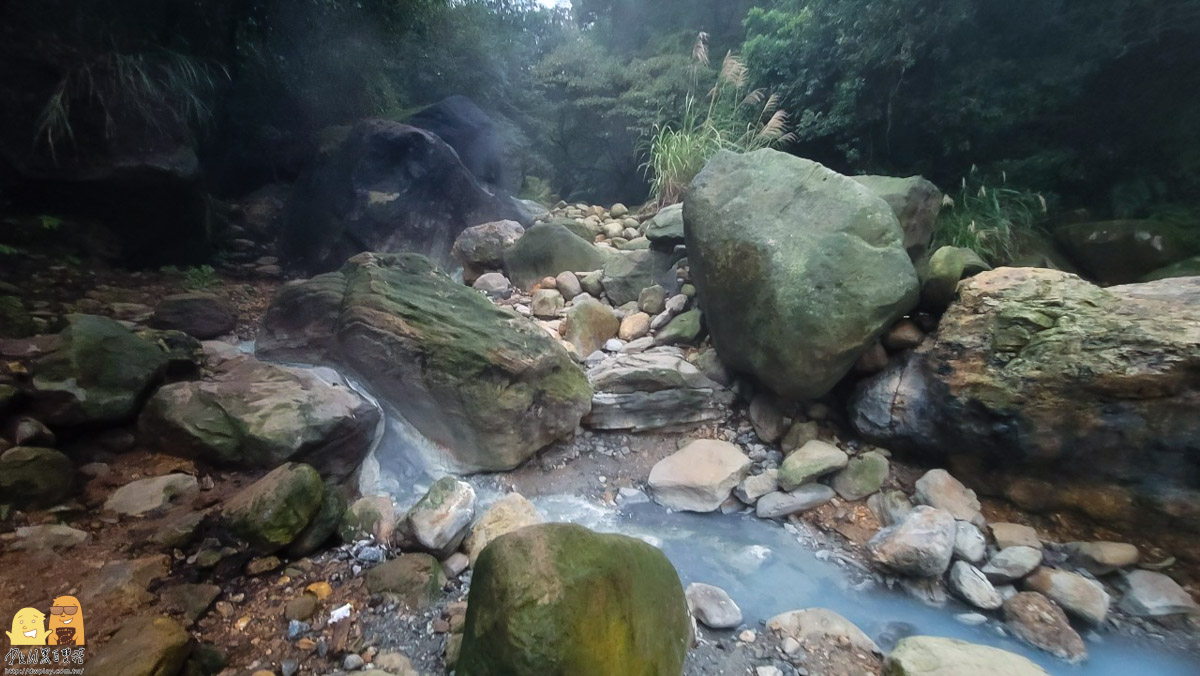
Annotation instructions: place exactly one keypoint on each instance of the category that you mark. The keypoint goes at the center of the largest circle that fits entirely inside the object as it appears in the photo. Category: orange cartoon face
(28, 628)
(66, 622)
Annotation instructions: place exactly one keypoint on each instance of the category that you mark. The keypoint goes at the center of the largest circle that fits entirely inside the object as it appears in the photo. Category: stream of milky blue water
(767, 567)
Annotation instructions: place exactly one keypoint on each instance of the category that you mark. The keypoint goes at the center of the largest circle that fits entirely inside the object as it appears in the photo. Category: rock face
(936, 656)
(253, 414)
(98, 373)
(769, 238)
(653, 390)
(547, 249)
(488, 387)
(1121, 252)
(698, 477)
(558, 599)
(1038, 370)
(916, 203)
(921, 545)
(200, 315)
(389, 187)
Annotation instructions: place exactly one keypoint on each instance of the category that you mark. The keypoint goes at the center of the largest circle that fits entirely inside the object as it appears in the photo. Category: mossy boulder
(273, 511)
(561, 600)
(940, 277)
(547, 249)
(323, 524)
(15, 320)
(252, 414)
(798, 268)
(478, 381)
(39, 477)
(144, 646)
(916, 202)
(684, 329)
(415, 579)
(100, 372)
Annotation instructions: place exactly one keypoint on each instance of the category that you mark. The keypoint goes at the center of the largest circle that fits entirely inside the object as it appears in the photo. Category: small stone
(1102, 558)
(780, 504)
(31, 432)
(261, 565)
(1076, 594)
(493, 284)
(352, 662)
(1013, 564)
(937, 488)
(862, 476)
(890, 507)
(1015, 535)
(301, 608)
(652, 300)
(754, 487)
(1041, 623)
(969, 543)
(455, 564)
(546, 303)
(49, 537)
(712, 606)
(698, 477)
(634, 326)
(768, 421)
(568, 285)
(1151, 594)
(812, 461)
(146, 495)
(747, 636)
(798, 434)
(904, 335)
(969, 584)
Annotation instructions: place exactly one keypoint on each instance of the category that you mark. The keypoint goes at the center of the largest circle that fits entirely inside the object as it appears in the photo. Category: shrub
(994, 222)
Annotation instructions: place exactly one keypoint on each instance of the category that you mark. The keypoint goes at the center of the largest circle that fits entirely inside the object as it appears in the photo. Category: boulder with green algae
(249, 413)
(415, 579)
(485, 385)
(684, 329)
(273, 511)
(936, 656)
(34, 476)
(143, 646)
(1120, 252)
(772, 240)
(323, 524)
(627, 273)
(939, 281)
(561, 600)
(916, 203)
(589, 323)
(98, 373)
(547, 249)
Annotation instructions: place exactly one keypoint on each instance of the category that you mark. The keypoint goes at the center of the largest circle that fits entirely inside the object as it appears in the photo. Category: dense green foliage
(1095, 101)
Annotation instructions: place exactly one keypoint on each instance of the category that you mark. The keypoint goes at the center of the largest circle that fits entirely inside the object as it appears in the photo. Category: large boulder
(144, 646)
(467, 129)
(773, 241)
(99, 372)
(388, 187)
(547, 249)
(34, 476)
(485, 385)
(271, 512)
(921, 545)
(252, 414)
(1040, 371)
(916, 203)
(480, 249)
(653, 390)
(1121, 252)
(559, 600)
(937, 656)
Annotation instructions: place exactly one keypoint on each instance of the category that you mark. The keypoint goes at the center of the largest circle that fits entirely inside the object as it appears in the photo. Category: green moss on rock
(271, 512)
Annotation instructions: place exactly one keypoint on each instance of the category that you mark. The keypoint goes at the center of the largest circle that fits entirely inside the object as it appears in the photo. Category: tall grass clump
(727, 117)
(157, 90)
(996, 222)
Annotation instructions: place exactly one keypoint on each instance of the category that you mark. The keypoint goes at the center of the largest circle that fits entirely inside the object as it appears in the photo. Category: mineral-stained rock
(485, 385)
(657, 389)
(1038, 370)
(559, 600)
(1082, 597)
(770, 238)
(1039, 621)
(921, 545)
(936, 656)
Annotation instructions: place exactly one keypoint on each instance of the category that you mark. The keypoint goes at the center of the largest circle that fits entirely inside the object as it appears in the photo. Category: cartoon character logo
(28, 627)
(66, 622)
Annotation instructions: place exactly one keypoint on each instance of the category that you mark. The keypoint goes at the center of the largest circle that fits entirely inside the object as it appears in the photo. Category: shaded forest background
(1093, 103)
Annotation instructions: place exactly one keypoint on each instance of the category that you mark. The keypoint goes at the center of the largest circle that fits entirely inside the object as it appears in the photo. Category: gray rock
(653, 390)
(712, 606)
(759, 228)
(810, 462)
(35, 476)
(936, 656)
(819, 628)
(1082, 597)
(144, 646)
(1037, 620)
(1102, 558)
(568, 285)
(652, 300)
(916, 203)
(921, 545)
(1014, 535)
(31, 432)
(666, 228)
(890, 507)
(493, 284)
(628, 272)
(200, 315)
(862, 476)
(480, 249)
(768, 421)
(589, 324)
(440, 518)
(48, 537)
(547, 249)
(754, 487)
(546, 303)
(969, 543)
(1151, 594)
(970, 585)
(938, 489)
(780, 505)
(1012, 563)
(698, 477)
(146, 495)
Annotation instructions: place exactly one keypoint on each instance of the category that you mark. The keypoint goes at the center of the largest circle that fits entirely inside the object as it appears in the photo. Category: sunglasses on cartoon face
(60, 610)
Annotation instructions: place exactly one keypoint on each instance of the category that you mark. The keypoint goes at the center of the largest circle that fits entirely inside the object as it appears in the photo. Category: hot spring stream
(767, 567)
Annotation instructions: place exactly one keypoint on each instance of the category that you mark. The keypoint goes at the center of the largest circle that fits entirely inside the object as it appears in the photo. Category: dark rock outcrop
(388, 187)
(470, 131)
